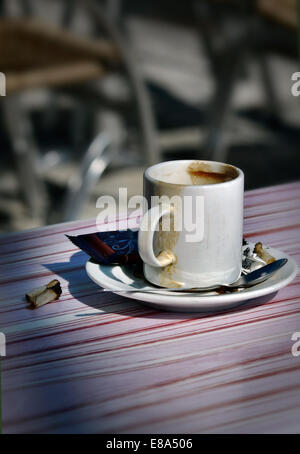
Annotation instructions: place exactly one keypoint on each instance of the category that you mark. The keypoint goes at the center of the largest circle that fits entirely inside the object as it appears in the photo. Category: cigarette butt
(263, 254)
(42, 295)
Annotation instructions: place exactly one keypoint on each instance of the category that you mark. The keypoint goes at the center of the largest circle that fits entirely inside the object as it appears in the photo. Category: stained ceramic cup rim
(240, 174)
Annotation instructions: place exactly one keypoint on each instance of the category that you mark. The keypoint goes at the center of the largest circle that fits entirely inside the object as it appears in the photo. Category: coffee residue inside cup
(202, 173)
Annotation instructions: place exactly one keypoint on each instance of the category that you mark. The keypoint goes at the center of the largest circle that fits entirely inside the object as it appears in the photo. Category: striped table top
(94, 362)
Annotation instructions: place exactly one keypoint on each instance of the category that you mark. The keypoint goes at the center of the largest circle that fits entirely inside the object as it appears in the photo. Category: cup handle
(147, 229)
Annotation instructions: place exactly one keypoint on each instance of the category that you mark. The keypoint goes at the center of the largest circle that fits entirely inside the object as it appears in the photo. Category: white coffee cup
(192, 234)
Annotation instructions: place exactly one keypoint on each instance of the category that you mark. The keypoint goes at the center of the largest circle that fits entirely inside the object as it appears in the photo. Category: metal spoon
(248, 280)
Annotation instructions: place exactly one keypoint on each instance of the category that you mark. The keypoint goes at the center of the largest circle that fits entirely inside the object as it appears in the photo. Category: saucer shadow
(131, 307)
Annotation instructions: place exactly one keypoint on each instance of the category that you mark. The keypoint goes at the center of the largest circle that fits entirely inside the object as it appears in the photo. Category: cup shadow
(131, 307)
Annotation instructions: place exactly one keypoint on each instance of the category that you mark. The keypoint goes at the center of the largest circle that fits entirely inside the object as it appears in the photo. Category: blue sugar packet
(112, 247)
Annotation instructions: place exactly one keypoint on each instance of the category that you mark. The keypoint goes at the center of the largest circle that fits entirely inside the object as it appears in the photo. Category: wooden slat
(27, 43)
(282, 11)
(72, 73)
(33, 54)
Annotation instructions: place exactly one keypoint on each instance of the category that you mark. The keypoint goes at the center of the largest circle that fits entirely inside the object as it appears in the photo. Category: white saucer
(117, 277)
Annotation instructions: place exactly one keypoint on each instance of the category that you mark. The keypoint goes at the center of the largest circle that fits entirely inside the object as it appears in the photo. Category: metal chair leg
(21, 136)
(142, 101)
(68, 12)
(95, 161)
(215, 147)
(27, 8)
(268, 86)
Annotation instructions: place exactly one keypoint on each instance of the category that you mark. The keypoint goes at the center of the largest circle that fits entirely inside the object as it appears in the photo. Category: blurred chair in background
(259, 26)
(69, 67)
(235, 36)
(80, 79)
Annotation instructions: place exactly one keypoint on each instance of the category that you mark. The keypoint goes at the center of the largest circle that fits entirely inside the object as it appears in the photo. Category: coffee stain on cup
(166, 258)
(166, 278)
(164, 244)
